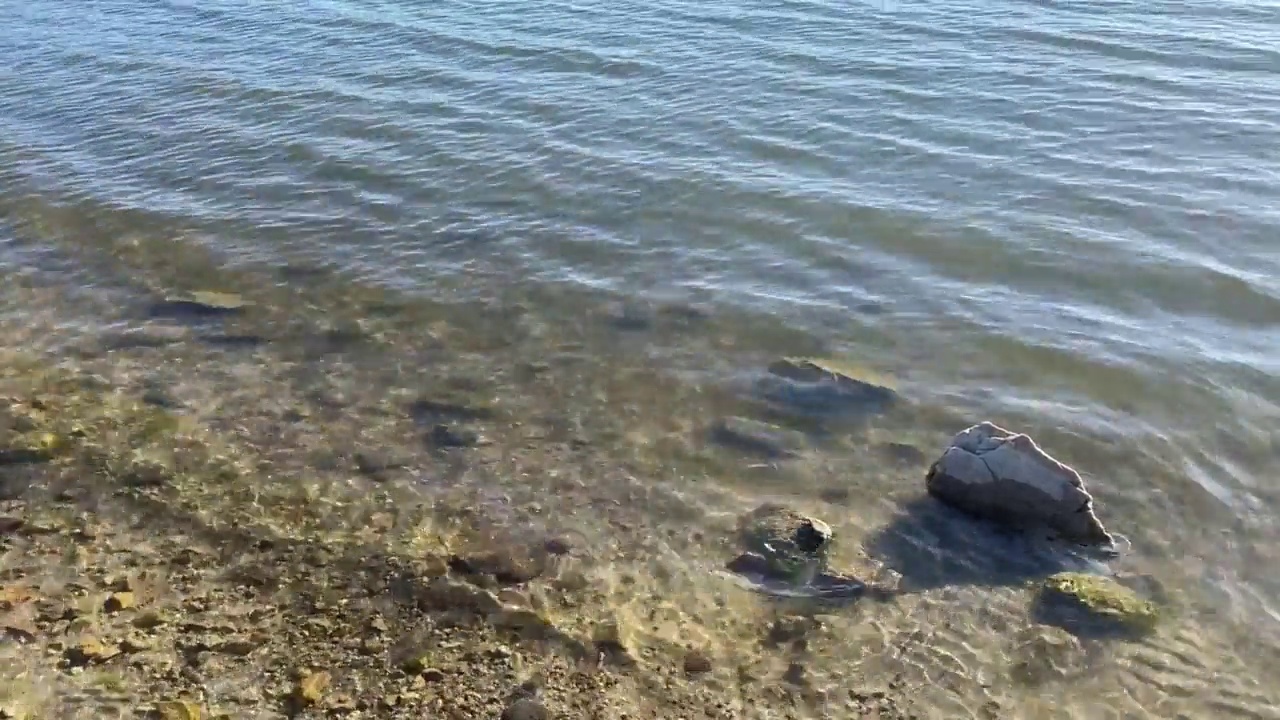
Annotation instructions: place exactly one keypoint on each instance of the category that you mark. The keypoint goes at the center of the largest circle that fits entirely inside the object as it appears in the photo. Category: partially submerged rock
(789, 548)
(999, 475)
(793, 545)
(819, 387)
(1087, 604)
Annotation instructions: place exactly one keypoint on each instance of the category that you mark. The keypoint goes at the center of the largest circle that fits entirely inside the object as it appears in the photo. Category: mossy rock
(1094, 605)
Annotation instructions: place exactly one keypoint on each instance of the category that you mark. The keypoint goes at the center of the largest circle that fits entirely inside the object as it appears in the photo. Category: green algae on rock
(1087, 604)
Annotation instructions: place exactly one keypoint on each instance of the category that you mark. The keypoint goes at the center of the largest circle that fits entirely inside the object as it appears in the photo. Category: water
(1061, 216)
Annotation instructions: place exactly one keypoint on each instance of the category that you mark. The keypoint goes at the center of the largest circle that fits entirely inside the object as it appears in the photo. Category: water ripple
(1075, 203)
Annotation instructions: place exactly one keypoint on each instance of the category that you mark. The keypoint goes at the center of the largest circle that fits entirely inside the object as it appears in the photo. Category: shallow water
(610, 218)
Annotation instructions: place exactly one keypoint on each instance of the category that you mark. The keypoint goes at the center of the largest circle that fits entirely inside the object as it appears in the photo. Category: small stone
(697, 662)
(342, 704)
(178, 710)
(791, 629)
(558, 546)
(12, 596)
(20, 635)
(376, 464)
(160, 398)
(432, 675)
(796, 674)
(90, 651)
(239, 647)
(526, 709)
(150, 619)
(443, 436)
(123, 583)
(136, 642)
(614, 641)
(311, 687)
(118, 601)
(903, 453)
(445, 594)
(506, 567)
(320, 626)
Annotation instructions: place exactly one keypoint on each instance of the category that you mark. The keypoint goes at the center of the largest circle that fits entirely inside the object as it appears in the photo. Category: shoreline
(348, 475)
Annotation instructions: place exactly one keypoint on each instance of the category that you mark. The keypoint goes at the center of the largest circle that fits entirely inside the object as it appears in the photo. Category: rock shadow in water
(931, 545)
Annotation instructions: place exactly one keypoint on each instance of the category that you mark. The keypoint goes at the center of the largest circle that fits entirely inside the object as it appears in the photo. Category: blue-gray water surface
(1061, 215)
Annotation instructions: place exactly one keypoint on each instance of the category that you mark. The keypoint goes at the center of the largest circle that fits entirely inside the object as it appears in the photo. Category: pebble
(558, 546)
(120, 601)
(311, 687)
(526, 709)
(697, 662)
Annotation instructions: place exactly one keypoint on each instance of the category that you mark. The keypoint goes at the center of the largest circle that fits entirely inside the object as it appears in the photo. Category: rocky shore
(143, 575)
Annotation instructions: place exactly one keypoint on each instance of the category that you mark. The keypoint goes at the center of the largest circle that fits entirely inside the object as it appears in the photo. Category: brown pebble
(150, 620)
(311, 687)
(432, 675)
(178, 710)
(135, 642)
(697, 662)
(91, 651)
(558, 546)
(118, 601)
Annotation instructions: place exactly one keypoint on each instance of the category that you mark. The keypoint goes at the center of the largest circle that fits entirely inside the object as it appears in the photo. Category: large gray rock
(996, 474)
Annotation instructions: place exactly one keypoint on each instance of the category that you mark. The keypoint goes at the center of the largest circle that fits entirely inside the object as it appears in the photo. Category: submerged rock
(1045, 654)
(1003, 476)
(203, 303)
(757, 437)
(824, 388)
(1085, 604)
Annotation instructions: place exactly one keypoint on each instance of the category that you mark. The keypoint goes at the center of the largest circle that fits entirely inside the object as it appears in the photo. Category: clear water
(1059, 216)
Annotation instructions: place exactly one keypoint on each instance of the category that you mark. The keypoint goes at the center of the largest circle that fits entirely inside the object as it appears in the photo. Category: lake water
(1061, 216)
